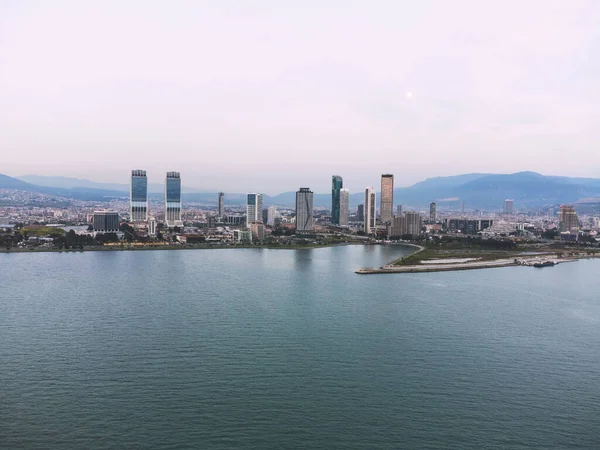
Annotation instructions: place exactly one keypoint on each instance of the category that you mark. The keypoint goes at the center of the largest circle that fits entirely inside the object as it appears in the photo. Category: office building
(508, 206)
(173, 200)
(398, 210)
(257, 229)
(432, 212)
(344, 212)
(387, 198)
(254, 207)
(467, 226)
(369, 210)
(242, 236)
(221, 211)
(360, 213)
(304, 211)
(336, 186)
(138, 209)
(272, 214)
(414, 223)
(152, 226)
(568, 218)
(106, 221)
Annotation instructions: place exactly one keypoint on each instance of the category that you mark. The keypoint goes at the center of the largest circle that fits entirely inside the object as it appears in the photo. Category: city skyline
(502, 88)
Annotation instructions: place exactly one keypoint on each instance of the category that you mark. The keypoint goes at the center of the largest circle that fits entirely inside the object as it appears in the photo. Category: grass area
(41, 231)
(454, 253)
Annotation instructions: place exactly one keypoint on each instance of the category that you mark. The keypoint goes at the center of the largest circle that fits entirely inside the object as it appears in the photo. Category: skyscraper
(173, 200)
(304, 211)
(387, 198)
(139, 196)
(508, 206)
(221, 211)
(254, 207)
(344, 199)
(398, 210)
(568, 218)
(271, 215)
(370, 202)
(336, 185)
(432, 212)
(360, 213)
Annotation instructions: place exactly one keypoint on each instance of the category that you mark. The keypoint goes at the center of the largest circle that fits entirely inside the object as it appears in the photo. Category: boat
(544, 264)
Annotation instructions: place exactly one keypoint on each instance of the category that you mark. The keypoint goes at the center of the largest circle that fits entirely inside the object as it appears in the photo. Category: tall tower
(508, 206)
(568, 218)
(369, 209)
(173, 200)
(432, 213)
(304, 211)
(254, 207)
(138, 196)
(387, 197)
(344, 200)
(221, 212)
(336, 185)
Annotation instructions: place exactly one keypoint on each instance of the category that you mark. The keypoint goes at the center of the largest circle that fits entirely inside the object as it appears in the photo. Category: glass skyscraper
(336, 185)
(304, 211)
(254, 207)
(173, 200)
(139, 196)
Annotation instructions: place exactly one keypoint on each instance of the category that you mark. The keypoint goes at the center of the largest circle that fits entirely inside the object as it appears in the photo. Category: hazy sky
(272, 95)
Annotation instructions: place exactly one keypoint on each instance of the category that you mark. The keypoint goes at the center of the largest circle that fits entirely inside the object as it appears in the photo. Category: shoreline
(175, 247)
(474, 265)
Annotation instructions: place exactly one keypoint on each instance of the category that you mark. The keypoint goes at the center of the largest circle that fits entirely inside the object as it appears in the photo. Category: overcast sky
(271, 95)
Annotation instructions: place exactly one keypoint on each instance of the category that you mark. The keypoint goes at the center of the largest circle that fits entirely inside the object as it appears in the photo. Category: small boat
(545, 264)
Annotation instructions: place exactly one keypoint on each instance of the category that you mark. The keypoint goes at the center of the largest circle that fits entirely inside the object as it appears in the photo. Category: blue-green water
(274, 349)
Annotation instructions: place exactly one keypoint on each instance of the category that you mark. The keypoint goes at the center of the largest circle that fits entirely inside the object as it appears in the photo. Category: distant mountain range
(476, 190)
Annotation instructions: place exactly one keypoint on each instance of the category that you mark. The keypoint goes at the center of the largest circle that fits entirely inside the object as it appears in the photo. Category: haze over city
(268, 96)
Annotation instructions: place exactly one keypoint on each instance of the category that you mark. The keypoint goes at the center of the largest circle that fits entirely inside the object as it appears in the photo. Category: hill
(477, 190)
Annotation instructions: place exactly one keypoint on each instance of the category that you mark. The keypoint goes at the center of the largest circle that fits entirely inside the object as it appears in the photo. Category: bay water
(285, 349)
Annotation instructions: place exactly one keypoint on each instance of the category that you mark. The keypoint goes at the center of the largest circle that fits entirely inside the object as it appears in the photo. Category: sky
(272, 95)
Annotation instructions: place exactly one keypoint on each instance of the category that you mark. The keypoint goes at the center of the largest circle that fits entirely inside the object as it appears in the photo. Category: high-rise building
(370, 203)
(173, 200)
(336, 186)
(221, 211)
(432, 212)
(344, 200)
(304, 211)
(258, 231)
(398, 210)
(152, 226)
(138, 210)
(106, 221)
(271, 215)
(568, 218)
(387, 198)
(508, 206)
(254, 207)
(360, 213)
(414, 223)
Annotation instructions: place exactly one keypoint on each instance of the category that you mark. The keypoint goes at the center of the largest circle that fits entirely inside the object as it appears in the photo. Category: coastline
(174, 247)
(519, 259)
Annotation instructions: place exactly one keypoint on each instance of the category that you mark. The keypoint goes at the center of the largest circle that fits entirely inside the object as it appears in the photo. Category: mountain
(76, 193)
(477, 190)
(70, 183)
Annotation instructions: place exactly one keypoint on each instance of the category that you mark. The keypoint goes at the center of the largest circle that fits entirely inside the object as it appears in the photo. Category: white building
(344, 199)
(254, 207)
(272, 214)
(370, 210)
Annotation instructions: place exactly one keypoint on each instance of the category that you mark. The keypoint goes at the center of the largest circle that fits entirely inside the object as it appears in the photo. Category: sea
(290, 349)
